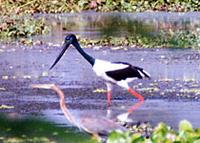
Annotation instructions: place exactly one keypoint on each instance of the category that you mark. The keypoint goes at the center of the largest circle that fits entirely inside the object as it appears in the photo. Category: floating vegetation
(191, 90)
(5, 77)
(21, 26)
(99, 90)
(6, 107)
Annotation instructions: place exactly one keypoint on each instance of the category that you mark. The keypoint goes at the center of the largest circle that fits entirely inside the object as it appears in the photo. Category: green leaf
(118, 137)
(185, 125)
(137, 138)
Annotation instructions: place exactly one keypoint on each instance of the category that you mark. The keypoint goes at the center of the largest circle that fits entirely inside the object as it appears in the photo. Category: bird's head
(69, 39)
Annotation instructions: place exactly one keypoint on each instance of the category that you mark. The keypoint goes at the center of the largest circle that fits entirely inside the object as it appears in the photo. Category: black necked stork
(95, 126)
(119, 73)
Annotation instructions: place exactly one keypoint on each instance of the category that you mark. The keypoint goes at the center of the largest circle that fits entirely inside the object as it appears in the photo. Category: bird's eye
(67, 39)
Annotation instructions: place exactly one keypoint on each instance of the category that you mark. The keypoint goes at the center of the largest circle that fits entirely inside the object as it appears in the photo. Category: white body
(100, 67)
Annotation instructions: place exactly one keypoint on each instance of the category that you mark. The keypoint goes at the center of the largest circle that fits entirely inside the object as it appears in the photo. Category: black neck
(90, 59)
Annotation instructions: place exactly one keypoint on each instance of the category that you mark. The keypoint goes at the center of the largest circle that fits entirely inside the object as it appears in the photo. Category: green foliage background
(16, 20)
(59, 6)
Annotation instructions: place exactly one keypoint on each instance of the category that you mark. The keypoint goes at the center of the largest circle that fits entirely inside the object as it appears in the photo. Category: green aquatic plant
(14, 23)
(18, 26)
(162, 134)
(177, 39)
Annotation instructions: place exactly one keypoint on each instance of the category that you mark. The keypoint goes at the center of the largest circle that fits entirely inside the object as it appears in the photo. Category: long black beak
(65, 46)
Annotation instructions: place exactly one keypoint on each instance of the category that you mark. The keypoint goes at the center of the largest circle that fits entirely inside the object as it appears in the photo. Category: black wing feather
(129, 72)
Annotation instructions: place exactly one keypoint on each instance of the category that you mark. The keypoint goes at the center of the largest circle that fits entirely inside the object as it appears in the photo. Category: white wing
(100, 67)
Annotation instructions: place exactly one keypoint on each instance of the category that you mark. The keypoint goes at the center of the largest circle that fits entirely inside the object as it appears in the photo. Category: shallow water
(152, 111)
(174, 64)
(171, 95)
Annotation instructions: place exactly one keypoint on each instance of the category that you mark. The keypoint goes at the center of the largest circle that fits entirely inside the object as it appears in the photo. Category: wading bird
(119, 73)
(93, 125)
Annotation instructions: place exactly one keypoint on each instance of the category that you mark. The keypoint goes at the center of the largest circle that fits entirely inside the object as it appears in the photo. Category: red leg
(140, 97)
(134, 93)
(109, 94)
(109, 97)
(135, 106)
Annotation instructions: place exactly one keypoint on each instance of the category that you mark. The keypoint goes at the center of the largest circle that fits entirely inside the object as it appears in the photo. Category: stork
(119, 73)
